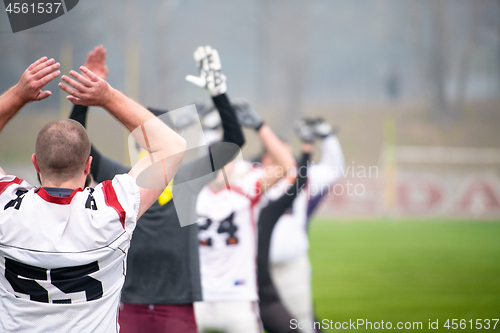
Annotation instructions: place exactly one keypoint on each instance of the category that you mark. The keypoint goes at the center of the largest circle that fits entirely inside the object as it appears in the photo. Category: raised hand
(247, 115)
(322, 129)
(209, 66)
(96, 62)
(29, 88)
(35, 77)
(304, 128)
(90, 90)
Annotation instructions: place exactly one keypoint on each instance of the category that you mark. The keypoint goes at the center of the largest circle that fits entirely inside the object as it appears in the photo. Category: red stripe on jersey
(258, 192)
(253, 203)
(4, 185)
(56, 200)
(236, 189)
(112, 200)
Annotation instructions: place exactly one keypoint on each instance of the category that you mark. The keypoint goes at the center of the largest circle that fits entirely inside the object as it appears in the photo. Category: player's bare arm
(28, 89)
(307, 147)
(162, 143)
(278, 151)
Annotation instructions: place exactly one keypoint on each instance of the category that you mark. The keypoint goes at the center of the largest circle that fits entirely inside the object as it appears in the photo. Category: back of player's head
(62, 149)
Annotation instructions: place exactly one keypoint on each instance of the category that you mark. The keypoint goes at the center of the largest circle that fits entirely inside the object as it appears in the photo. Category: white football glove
(211, 78)
(322, 129)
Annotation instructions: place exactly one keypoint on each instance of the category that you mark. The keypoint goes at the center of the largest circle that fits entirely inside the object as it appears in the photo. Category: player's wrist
(323, 130)
(258, 127)
(305, 130)
(306, 147)
(219, 90)
(111, 98)
(219, 83)
(18, 96)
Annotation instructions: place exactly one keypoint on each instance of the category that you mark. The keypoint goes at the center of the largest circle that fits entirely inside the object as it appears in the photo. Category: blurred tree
(437, 50)
(466, 55)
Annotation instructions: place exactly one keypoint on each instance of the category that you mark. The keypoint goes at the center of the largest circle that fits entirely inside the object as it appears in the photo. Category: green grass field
(406, 270)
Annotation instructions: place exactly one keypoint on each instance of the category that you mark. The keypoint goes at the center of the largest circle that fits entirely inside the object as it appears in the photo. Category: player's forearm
(29, 88)
(276, 148)
(154, 135)
(300, 182)
(10, 103)
(79, 114)
(229, 121)
(306, 147)
(128, 112)
(280, 205)
(166, 151)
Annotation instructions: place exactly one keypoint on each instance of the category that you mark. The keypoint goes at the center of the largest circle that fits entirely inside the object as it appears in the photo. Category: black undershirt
(275, 317)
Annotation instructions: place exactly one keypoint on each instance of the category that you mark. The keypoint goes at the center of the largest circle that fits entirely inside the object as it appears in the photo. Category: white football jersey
(228, 239)
(62, 259)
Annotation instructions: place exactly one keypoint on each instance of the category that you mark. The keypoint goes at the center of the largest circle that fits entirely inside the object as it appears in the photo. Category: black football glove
(304, 128)
(247, 115)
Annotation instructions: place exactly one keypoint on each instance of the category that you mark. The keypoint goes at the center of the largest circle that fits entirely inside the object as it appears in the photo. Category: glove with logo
(304, 128)
(247, 115)
(209, 66)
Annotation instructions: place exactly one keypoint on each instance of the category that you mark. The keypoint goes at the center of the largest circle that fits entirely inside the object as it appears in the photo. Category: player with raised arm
(163, 272)
(63, 245)
(228, 208)
(29, 88)
(289, 262)
(275, 317)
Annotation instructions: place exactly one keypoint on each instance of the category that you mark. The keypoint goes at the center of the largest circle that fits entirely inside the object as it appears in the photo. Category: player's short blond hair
(62, 149)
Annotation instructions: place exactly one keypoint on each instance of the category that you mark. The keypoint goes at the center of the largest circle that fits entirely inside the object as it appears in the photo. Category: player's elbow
(289, 165)
(177, 147)
(180, 144)
(240, 141)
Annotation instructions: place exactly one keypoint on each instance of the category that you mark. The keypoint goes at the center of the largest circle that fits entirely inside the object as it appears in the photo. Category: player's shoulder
(11, 183)
(121, 193)
(122, 183)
